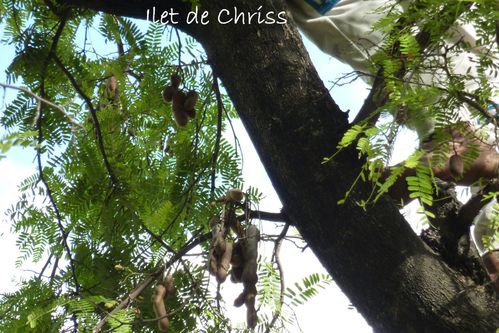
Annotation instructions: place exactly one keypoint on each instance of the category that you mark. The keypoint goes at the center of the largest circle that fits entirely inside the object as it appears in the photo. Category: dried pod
(236, 274)
(170, 286)
(224, 264)
(176, 80)
(159, 308)
(214, 221)
(178, 109)
(219, 244)
(249, 301)
(112, 86)
(250, 276)
(191, 100)
(191, 113)
(251, 317)
(236, 195)
(237, 255)
(168, 93)
(250, 298)
(212, 263)
(456, 166)
(240, 300)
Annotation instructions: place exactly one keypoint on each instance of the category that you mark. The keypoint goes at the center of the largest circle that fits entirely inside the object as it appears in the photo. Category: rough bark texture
(394, 280)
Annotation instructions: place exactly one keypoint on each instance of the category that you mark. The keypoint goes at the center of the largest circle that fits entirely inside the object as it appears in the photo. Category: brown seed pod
(236, 274)
(250, 276)
(170, 286)
(168, 93)
(176, 80)
(212, 263)
(112, 86)
(191, 100)
(251, 317)
(214, 221)
(237, 255)
(224, 264)
(218, 239)
(240, 300)
(191, 113)
(158, 304)
(236, 195)
(178, 109)
(456, 166)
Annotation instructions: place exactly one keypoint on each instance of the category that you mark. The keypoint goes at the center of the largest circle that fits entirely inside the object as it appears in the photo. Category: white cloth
(486, 224)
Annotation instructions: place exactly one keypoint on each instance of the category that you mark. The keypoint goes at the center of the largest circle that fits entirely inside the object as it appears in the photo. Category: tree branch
(45, 101)
(266, 216)
(276, 256)
(216, 151)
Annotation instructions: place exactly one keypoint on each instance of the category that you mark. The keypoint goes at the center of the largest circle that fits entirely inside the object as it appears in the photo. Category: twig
(40, 275)
(276, 256)
(45, 101)
(266, 216)
(64, 233)
(214, 159)
(54, 269)
(179, 48)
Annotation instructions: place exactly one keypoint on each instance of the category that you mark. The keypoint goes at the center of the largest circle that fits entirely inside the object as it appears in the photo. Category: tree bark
(393, 279)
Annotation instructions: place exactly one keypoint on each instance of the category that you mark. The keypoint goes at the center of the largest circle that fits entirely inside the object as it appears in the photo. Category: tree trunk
(388, 273)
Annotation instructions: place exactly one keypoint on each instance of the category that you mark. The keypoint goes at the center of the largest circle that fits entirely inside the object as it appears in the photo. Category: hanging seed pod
(168, 93)
(191, 100)
(158, 305)
(224, 264)
(179, 114)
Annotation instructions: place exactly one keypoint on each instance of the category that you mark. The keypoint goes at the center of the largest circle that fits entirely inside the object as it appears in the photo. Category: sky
(330, 311)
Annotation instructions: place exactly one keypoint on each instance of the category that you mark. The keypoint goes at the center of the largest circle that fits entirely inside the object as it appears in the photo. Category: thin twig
(276, 256)
(216, 151)
(45, 101)
(46, 265)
